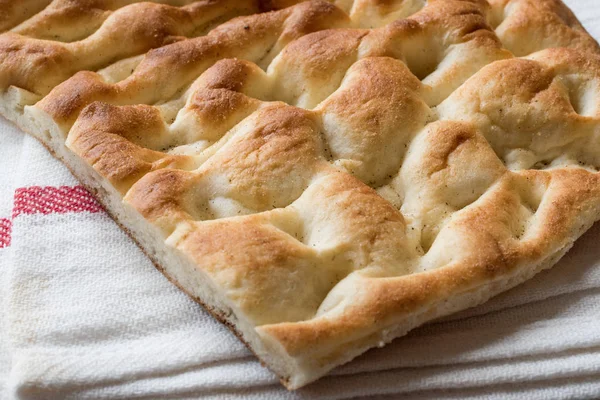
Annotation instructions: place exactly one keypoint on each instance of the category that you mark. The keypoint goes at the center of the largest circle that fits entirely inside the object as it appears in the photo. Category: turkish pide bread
(322, 176)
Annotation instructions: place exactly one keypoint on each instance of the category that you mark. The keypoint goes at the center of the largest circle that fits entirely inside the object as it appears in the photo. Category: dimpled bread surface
(321, 176)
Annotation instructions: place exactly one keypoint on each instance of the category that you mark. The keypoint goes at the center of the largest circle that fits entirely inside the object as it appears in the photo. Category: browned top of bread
(334, 168)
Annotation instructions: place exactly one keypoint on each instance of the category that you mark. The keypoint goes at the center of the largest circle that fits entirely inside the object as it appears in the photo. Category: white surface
(86, 315)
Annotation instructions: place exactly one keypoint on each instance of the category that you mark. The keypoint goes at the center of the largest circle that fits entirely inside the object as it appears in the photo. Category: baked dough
(321, 176)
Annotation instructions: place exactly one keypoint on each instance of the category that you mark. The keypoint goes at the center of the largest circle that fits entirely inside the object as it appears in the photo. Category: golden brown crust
(527, 26)
(106, 137)
(251, 172)
(534, 112)
(337, 174)
(122, 34)
(13, 13)
(167, 70)
(489, 249)
(72, 20)
(260, 37)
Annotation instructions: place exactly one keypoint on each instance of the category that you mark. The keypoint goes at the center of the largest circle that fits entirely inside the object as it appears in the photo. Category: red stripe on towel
(49, 199)
(5, 230)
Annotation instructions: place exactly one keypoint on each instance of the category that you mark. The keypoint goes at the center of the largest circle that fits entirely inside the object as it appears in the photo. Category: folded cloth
(86, 315)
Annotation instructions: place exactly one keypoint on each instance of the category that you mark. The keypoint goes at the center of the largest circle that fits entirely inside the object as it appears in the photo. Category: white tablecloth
(86, 315)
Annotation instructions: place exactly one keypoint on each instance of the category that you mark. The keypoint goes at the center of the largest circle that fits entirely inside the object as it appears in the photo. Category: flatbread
(322, 177)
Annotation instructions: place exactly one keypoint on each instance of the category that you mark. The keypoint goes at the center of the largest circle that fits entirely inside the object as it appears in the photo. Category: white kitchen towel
(85, 315)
